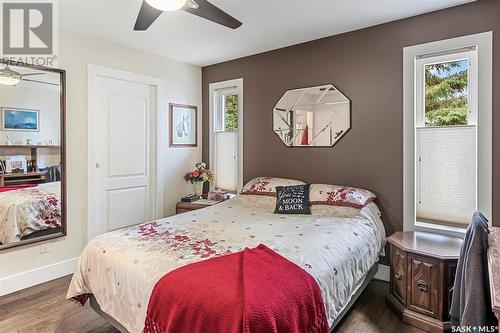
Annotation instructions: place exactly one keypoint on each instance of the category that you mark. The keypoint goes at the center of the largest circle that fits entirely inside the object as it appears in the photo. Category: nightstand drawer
(183, 210)
(183, 207)
(398, 274)
(423, 285)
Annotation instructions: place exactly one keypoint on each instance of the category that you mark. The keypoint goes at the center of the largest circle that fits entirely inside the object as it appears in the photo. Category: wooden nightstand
(423, 269)
(182, 207)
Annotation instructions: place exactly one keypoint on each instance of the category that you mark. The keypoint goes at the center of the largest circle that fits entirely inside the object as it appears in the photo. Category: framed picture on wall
(183, 125)
(26, 120)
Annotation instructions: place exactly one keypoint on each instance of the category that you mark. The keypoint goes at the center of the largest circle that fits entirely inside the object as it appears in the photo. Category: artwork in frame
(15, 119)
(183, 125)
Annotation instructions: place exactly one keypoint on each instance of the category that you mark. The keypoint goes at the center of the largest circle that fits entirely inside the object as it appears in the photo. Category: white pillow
(335, 195)
(267, 185)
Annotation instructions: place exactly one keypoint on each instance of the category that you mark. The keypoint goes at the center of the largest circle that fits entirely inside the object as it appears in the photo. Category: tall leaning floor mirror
(32, 154)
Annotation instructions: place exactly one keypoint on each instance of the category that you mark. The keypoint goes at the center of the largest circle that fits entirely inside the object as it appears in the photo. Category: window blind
(225, 160)
(446, 174)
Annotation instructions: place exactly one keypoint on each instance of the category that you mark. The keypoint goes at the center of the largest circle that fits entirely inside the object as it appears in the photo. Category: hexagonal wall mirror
(312, 117)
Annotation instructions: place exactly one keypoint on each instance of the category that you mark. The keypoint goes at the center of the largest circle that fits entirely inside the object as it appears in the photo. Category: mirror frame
(307, 87)
(62, 120)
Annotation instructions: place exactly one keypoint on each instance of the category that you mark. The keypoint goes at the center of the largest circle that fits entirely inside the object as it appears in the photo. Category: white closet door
(124, 129)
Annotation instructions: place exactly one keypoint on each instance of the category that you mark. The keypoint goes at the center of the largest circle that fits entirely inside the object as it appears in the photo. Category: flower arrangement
(198, 176)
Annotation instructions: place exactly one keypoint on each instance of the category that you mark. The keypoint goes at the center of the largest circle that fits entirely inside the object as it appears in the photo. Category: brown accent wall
(367, 66)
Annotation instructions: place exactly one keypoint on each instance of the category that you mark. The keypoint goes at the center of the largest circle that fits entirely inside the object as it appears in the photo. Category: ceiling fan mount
(152, 9)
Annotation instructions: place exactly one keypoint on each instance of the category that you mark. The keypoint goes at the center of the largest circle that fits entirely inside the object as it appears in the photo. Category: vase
(198, 188)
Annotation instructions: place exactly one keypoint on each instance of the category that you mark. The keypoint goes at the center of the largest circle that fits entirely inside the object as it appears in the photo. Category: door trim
(94, 72)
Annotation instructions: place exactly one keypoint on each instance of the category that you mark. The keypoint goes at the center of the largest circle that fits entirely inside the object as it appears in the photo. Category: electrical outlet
(44, 248)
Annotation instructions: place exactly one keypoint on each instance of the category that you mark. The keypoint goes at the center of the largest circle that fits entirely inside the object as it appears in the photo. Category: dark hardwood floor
(44, 308)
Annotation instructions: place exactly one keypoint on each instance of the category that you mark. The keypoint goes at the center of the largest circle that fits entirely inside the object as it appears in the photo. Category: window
(447, 90)
(226, 134)
(226, 110)
(447, 140)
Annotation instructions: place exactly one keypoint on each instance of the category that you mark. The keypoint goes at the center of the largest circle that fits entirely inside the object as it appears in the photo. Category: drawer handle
(398, 275)
(422, 285)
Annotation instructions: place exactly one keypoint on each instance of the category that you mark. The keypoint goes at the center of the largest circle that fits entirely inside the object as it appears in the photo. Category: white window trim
(213, 87)
(484, 44)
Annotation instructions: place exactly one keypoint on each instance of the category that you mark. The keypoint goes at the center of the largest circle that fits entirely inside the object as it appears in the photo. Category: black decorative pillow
(292, 199)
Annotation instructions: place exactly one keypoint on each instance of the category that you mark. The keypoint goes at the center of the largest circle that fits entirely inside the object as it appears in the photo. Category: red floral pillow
(267, 185)
(335, 195)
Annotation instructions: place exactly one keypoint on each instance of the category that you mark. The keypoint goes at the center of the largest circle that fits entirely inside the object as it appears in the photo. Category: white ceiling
(267, 24)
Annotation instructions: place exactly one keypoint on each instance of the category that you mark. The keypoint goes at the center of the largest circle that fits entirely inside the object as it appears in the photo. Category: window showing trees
(447, 145)
(447, 93)
(231, 113)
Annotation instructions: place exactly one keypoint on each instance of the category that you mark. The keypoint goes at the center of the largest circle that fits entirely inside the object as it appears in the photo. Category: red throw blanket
(252, 291)
(15, 187)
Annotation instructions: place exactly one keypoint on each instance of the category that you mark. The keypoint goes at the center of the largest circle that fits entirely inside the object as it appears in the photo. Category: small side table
(423, 267)
(182, 207)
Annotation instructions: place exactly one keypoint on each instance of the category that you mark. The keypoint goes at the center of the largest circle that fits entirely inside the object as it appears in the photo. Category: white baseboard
(12, 283)
(383, 273)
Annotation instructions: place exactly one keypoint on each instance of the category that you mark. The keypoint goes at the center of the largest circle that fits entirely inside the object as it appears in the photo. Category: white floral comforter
(27, 210)
(336, 245)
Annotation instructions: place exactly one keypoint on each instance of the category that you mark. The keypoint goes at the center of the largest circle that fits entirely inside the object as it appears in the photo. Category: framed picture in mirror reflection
(16, 119)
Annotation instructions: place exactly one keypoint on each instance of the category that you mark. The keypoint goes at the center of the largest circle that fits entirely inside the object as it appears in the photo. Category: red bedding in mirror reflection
(15, 187)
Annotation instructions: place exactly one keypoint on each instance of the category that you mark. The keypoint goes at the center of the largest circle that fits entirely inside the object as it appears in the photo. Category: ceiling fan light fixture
(9, 81)
(9, 77)
(167, 5)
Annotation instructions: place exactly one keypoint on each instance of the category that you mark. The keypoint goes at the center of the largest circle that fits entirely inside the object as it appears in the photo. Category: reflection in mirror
(30, 154)
(312, 117)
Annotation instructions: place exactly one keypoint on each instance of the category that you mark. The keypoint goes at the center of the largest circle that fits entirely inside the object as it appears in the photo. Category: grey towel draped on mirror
(471, 303)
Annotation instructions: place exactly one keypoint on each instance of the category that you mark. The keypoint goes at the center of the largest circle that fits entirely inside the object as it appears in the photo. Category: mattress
(28, 210)
(336, 245)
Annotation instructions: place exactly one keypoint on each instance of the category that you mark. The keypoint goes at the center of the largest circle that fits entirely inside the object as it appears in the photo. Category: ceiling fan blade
(49, 83)
(212, 13)
(147, 15)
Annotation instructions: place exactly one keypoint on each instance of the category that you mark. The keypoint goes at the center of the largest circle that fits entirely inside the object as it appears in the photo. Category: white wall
(29, 96)
(45, 98)
(182, 85)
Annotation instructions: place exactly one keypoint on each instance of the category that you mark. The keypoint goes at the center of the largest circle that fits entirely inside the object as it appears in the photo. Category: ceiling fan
(10, 77)
(151, 9)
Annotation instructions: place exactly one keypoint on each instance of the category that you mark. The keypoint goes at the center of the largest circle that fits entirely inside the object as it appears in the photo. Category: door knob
(97, 165)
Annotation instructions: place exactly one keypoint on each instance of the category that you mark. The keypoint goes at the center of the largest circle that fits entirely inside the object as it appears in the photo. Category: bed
(30, 211)
(338, 246)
